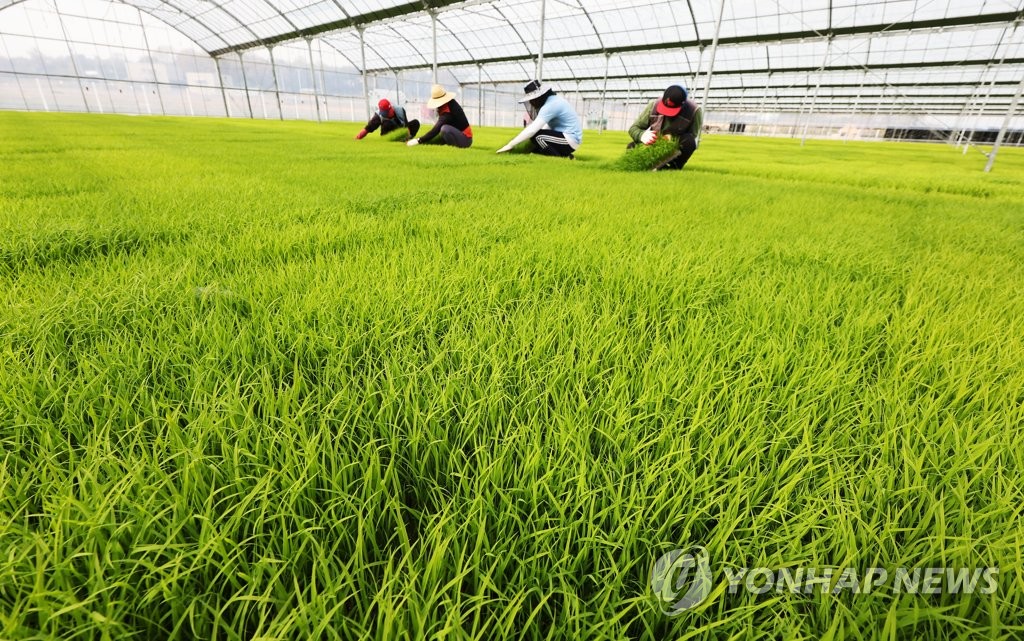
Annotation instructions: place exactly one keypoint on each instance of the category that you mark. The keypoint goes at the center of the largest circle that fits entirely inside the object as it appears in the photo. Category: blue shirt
(560, 116)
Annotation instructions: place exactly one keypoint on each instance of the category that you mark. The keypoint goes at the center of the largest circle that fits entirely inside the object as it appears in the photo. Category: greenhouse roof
(955, 48)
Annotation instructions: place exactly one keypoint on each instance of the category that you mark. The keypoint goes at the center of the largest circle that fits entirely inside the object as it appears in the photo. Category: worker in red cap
(389, 118)
(673, 117)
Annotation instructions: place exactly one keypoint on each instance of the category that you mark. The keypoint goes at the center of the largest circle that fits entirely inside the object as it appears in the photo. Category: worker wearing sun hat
(555, 130)
(672, 116)
(388, 118)
(452, 124)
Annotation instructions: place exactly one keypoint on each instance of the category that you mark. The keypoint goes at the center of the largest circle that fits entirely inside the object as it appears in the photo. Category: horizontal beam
(801, 91)
(938, 23)
(782, 70)
(825, 85)
(351, 22)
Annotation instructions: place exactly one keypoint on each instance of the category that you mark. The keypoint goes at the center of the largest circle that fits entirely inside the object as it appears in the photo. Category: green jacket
(689, 120)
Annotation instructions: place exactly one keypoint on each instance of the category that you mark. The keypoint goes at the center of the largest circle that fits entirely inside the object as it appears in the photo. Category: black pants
(387, 126)
(551, 143)
(687, 145)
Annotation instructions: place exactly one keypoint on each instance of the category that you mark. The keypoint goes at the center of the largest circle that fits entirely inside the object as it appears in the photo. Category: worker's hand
(361, 135)
(504, 149)
(648, 137)
(413, 142)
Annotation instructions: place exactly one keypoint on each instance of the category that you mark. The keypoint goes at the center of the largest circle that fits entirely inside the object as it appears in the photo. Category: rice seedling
(255, 386)
(646, 157)
(398, 135)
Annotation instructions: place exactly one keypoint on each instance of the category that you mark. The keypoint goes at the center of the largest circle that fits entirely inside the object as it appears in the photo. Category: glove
(648, 137)
(504, 149)
(413, 142)
(361, 135)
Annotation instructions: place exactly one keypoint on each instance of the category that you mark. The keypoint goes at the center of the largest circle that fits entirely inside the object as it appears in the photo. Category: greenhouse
(859, 69)
(511, 319)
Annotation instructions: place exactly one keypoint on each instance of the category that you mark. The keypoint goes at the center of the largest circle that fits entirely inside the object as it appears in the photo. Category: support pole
(1006, 125)
(152, 66)
(604, 90)
(711, 62)
(74, 65)
(629, 86)
(540, 52)
(362, 72)
(856, 106)
(984, 105)
(323, 79)
(479, 94)
(223, 93)
(433, 26)
(312, 77)
(277, 87)
(245, 84)
(810, 112)
(817, 88)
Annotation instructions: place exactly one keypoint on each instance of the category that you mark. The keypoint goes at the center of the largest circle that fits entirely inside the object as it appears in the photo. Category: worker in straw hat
(555, 130)
(388, 118)
(452, 124)
(674, 117)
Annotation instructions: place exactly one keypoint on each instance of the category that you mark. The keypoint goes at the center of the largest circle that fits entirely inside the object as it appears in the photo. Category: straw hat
(438, 97)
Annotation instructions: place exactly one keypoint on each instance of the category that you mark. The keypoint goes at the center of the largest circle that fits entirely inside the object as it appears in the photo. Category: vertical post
(277, 87)
(984, 104)
(245, 84)
(817, 87)
(223, 93)
(152, 66)
(479, 93)
(362, 71)
(810, 112)
(711, 62)
(540, 51)
(604, 90)
(312, 77)
(495, 105)
(74, 65)
(856, 104)
(1006, 125)
(323, 79)
(39, 86)
(433, 25)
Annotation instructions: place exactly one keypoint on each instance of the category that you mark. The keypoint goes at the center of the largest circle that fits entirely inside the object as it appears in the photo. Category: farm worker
(452, 124)
(388, 118)
(555, 130)
(673, 117)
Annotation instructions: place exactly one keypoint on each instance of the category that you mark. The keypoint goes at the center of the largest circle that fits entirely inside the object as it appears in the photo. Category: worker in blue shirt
(555, 130)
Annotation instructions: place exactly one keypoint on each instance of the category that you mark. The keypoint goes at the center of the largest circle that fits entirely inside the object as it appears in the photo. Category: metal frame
(984, 97)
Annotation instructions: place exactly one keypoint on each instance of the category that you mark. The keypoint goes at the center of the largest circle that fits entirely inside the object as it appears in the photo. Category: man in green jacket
(673, 117)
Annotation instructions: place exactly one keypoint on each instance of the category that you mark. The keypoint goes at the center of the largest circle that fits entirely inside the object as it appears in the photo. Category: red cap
(672, 101)
(384, 105)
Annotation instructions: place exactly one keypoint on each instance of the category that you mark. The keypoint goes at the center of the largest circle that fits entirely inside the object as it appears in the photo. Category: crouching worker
(555, 130)
(388, 118)
(673, 117)
(452, 124)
